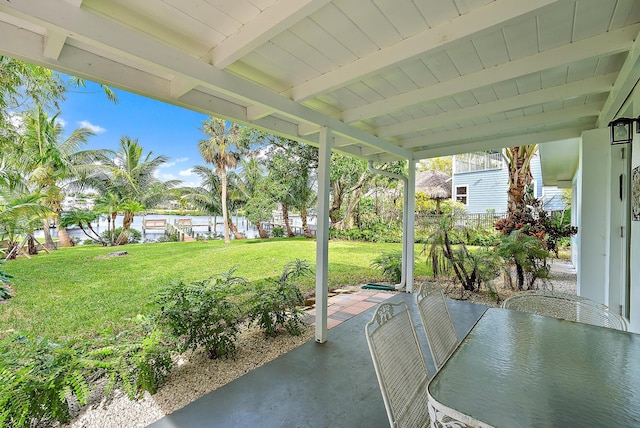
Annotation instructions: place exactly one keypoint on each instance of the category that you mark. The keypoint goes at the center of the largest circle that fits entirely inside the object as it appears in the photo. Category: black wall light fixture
(622, 130)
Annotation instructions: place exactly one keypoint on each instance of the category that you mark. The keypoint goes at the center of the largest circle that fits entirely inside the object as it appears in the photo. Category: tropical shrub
(202, 313)
(277, 232)
(275, 302)
(133, 235)
(528, 254)
(37, 377)
(134, 360)
(390, 264)
(4, 279)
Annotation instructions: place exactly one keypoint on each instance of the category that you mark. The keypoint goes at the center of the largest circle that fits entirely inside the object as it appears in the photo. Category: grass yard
(74, 292)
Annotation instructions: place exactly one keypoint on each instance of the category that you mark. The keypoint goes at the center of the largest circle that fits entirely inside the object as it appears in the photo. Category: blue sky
(161, 128)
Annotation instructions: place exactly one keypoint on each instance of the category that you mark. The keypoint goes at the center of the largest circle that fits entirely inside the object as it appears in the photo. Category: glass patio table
(522, 370)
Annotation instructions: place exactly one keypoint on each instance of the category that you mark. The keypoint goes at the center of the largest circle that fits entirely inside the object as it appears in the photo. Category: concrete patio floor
(315, 385)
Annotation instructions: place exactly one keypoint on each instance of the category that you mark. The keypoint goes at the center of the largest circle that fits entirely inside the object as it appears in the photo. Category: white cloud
(186, 172)
(170, 164)
(60, 121)
(167, 177)
(95, 128)
(191, 184)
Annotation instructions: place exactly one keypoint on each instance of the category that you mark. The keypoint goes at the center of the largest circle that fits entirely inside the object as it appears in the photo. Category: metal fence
(479, 220)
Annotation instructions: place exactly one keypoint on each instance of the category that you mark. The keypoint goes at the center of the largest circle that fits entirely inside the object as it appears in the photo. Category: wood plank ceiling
(392, 78)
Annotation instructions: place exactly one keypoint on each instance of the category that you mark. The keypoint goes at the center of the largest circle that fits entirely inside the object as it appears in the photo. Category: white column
(322, 234)
(594, 221)
(409, 226)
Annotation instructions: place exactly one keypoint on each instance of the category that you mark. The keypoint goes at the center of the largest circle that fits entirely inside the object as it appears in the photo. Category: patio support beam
(322, 234)
(409, 225)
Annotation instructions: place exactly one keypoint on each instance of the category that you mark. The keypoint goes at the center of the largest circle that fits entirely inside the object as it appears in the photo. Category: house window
(461, 194)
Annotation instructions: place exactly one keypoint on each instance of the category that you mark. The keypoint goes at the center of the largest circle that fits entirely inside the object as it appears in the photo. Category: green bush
(390, 264)
(277, 232)
(134, 237)
(135, 360)
(202, 314)
(274, 303)
(36, 379)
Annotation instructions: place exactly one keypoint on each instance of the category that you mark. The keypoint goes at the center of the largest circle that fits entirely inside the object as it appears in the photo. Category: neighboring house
(480, 182)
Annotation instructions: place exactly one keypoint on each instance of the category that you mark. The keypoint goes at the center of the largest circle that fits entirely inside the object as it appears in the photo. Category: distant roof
(435, 184)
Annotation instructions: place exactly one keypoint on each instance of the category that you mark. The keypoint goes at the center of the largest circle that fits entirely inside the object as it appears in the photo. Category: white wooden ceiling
(392, 78)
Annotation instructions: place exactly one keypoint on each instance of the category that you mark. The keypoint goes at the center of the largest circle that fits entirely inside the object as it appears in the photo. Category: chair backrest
(438, 325)
(565, 306)
(399, 365)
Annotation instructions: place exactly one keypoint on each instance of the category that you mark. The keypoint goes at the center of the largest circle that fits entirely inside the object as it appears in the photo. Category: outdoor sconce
(622, 130)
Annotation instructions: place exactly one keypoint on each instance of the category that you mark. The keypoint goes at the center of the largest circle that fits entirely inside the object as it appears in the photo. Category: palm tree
(255, 188)
(518, 163)
(222, 150)
(51, 162)
(206, 197)
(130, 176)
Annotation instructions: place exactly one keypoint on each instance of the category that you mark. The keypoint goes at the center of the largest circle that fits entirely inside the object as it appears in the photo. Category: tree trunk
(234, 229)
(261, 232)
(48, 241)
(63, 235)
(285, 219)
(305, 226)
(225, 214)
(31, 246)
(126, 225)
(334, 211)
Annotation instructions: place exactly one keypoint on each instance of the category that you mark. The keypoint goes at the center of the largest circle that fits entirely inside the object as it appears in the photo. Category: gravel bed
(195, 374)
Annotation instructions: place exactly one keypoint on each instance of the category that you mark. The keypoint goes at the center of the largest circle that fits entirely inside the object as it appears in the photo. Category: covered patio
(315, 385)
(381, 80)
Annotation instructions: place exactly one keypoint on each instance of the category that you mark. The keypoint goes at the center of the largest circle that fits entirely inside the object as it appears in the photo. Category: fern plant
(4, 279)
(390, 264)
(134, 360)
(202, 313)
(275, 303)
(37, 377)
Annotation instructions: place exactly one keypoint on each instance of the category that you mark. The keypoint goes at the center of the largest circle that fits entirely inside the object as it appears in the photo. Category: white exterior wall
(635, 235)
(593, 195)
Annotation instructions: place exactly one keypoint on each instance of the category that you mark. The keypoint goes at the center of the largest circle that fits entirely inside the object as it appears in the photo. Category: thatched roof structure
(435, 184)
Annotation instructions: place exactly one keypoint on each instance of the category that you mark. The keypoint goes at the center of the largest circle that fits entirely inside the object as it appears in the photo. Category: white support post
(322, 234)
(409, 226)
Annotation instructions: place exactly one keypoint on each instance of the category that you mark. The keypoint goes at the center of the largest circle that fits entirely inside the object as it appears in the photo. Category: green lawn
(72, 292)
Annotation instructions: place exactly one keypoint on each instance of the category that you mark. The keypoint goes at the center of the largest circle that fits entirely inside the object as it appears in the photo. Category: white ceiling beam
(308, 129)
(482, 19)
(105, 34)
(626, 81)
(598, 46)
(179, 86)
(53, 44)
(500, 143)
(269, 23)
(256, 111)
(589, 86)
(505, 126)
